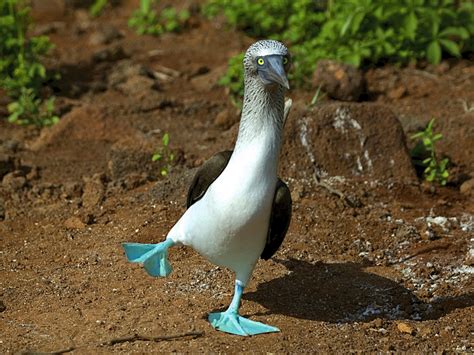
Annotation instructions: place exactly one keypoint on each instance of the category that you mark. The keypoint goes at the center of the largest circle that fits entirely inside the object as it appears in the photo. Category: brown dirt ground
(381, 276)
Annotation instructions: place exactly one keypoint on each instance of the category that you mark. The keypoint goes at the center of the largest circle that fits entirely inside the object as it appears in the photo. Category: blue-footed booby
(238, 208)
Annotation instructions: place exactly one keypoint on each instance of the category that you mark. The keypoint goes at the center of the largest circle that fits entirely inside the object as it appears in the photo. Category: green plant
(164, 155)
(424, 155)
(21, 73)
(28, 109)
(97, 7)
(146, 21)
(233, 78)
(358, 32)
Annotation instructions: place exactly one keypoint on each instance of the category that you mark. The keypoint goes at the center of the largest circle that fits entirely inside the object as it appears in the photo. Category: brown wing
(279, 220)
(206, 175)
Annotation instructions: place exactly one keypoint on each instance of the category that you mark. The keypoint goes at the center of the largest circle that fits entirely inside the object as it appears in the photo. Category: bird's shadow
(346, 293)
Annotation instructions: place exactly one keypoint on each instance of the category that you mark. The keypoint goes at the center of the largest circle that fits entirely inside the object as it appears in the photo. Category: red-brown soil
(390, 271)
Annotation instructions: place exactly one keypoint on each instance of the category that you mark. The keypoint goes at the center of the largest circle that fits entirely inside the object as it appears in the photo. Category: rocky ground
(386, 267)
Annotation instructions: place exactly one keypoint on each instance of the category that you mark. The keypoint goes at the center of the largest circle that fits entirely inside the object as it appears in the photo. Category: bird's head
(269, 61)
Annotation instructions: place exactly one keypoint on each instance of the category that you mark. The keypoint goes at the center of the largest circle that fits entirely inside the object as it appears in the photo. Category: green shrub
(21, 73)
(164, 155)
(358, 32)
(146, 21)
(98, 7)
(425, 157)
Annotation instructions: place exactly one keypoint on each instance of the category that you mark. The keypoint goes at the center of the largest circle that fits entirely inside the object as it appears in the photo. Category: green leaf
(156, 157)
(166, 139)
(455, 31)
(451, 46)
(411, 24)
(433, 52)
(346, 25)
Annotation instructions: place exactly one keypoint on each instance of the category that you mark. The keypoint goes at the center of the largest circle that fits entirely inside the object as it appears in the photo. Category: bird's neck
(261, 123)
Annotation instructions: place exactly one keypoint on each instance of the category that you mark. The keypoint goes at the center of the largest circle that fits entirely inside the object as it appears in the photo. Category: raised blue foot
(231, 322)
(153, 256)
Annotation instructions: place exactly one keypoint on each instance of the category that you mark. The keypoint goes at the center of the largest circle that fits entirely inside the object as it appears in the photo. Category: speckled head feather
(260, 49)
(263, 106)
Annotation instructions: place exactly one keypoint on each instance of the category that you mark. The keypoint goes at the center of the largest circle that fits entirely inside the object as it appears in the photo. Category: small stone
(467, 187)
(72, 190)
(33, 174)
(2, 209)
(74, 223)
(226, 119)
(397, 93)
(378, 322)
(6, 164)
(405, 328)
(137, 85)
(105, 35)
(14, 181)
(340, 81)
(109, 54)
(94, 191)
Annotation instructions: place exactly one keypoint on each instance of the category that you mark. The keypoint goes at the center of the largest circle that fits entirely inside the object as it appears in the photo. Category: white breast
(229, 224)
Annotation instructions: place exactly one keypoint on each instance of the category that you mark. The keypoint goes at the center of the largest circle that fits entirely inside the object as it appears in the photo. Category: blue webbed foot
(231, 322)
(153, 256)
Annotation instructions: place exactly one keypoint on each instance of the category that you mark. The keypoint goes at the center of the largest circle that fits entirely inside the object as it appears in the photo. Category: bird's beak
(274, 72)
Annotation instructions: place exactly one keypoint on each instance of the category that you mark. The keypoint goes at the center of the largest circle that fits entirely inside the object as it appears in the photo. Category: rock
(51, 10)
(226, 119)
(74, 223)
(10, 145)
(397, 93)
(105, 35)
(14, 181)
(126, 69)
(94, 191)
(2, 209)
(467, 187)
(109, 54)
(72, 190)
(340, 81)
(346, 139)
(2, 306)
(405, 328)
(132, 79)
(129, 157)
(45, 29)
(6, 164)
(83, 21)
(208, 81)
(134, 180)
(166, 190)
(137, 85)
(458, 135)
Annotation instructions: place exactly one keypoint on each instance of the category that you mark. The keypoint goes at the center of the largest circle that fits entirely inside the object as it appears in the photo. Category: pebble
(405, 328)
(467, 187)
(74, 223)
(340, 81)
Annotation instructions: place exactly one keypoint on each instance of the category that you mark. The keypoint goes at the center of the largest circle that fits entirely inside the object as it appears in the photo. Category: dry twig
(125, 339)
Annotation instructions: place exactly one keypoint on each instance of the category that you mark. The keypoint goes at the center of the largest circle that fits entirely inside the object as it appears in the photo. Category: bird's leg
(231, 322)
(153, 256)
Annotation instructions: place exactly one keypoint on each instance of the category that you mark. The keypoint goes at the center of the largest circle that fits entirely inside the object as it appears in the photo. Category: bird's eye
(285, 60)
(260, 61)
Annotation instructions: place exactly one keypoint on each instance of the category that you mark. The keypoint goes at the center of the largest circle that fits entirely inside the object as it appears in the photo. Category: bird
(238, 210)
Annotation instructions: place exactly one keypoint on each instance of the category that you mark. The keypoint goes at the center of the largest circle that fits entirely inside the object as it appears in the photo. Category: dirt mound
(458, 139)
(348, 139)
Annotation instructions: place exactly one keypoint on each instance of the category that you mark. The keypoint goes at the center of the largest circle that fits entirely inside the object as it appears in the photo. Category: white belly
(229, 224)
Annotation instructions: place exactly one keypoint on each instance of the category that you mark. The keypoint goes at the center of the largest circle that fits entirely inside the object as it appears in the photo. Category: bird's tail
(153, 256)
